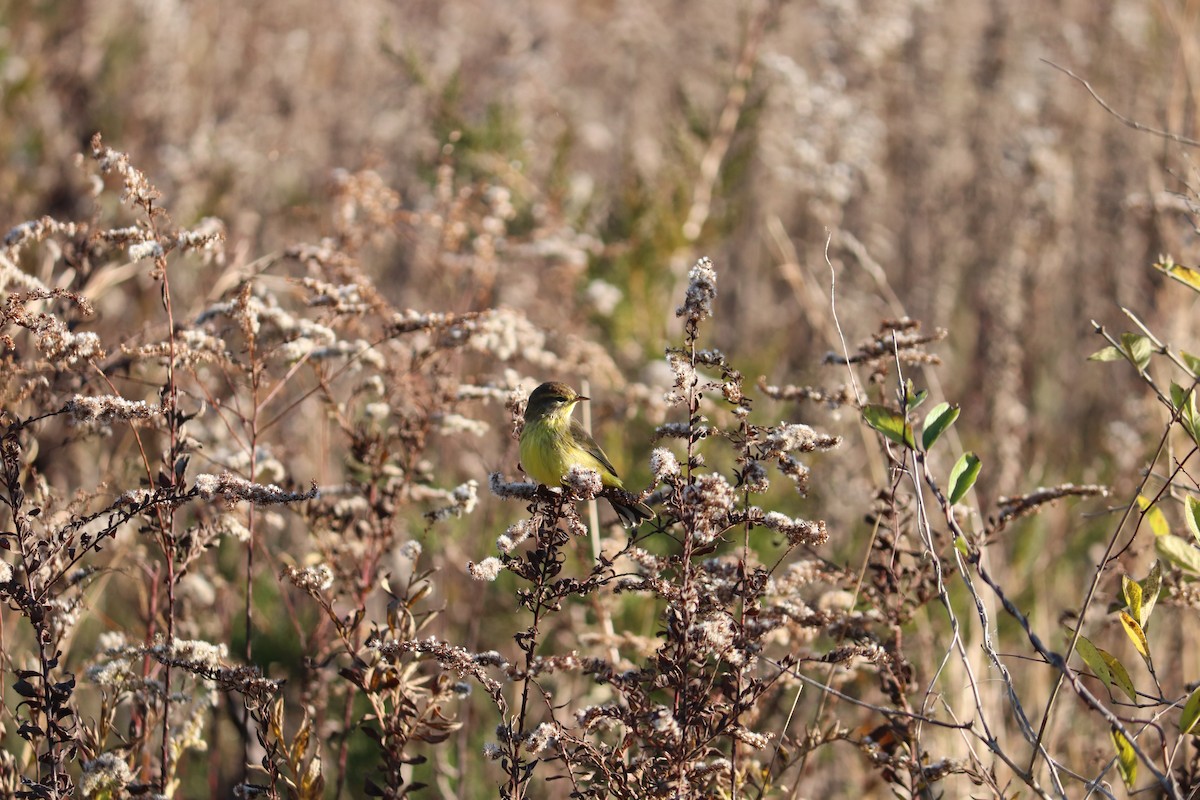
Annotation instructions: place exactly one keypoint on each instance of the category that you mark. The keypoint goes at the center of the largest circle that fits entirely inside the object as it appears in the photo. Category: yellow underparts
(548, 451)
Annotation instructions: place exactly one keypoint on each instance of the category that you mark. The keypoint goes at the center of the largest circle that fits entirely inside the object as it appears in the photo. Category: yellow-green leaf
(1193, 362)
(1191, 713)
(1132, 591)
(1120, 675)
(890, 423)
(1184, 401)
(1109, 353)
(1179, 552)
(1151, 587)
(1188, 276)
(939, 418)
(963, 475)
(1178, 395)
(912, 399)
(1192, 515)
(1126, 758)
(1153, 516)
(1138, 349)
(1136, 634)
(1095, 662)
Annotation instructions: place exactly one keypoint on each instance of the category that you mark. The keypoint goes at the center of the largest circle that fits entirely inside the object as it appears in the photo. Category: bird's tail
(630, 510)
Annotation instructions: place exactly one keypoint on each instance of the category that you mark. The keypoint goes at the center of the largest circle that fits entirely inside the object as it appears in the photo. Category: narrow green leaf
(1178, 395)
(1109, 353)
(1136, 634)
(1126, 759)
(1184, 401)
(1191, 712)
(1120, 675)
(963, 475)
(1191, 514)
(1095, 662)
(1154, 516)
(1179, 552)
(1138, 348)
(960, 544)
(939, 418)
(1132, 591)
(890, 423)
(1151, 587)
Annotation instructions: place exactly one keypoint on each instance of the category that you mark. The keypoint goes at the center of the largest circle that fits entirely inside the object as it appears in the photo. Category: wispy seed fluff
(786, 438)
(234, 489)
(106, 774)
(486, 570)
(583, 482)
(663, 464)
(797, 531)
(709, 499)
(701, 291)
(517, 532)
(314, 580)
(106, 408)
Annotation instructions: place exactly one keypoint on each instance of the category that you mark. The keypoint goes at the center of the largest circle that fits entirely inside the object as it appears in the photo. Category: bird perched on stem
(552, 443)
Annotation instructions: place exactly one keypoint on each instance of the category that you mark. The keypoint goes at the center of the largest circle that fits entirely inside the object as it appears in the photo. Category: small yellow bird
(552, 443)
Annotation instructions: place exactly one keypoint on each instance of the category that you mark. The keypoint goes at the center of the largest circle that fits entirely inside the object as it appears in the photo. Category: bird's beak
(581, 397)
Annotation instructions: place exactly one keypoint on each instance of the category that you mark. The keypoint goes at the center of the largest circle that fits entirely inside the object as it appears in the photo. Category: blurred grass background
(957, 177)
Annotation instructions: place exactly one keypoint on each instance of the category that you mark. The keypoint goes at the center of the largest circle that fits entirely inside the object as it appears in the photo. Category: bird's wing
(589, 444)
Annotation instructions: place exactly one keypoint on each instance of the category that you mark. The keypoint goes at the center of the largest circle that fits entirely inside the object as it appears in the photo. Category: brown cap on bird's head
(548, 396)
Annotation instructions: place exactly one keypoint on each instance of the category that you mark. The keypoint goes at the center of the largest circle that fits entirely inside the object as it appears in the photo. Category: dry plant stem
(167, 527)
(1165, 780)
(831, 670)
(248, 618)
(16, 503)
(1093, 588)
(1126, 121)
(681, 705)
(920, 467)
(919, 464)
(875, 529)
(527, 640)
(593, 507)
(735, 101)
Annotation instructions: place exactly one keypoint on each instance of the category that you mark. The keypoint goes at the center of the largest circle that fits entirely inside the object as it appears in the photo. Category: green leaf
(1151, 587)
(1188, 276)
(1138, 349)
(1120, 675)
(1191, 514)
(1132, 590)
(1126, 758)
(1154, 516)
(1193, 363)
(1179, 552)
(939, 418)
(963, 475)
(890, 423)
(1136, 634)
(1191, 712)
(1178, 395)
(1109, 353)
(960, 544)
(913, 399)
(1095, 662)
(1184, 401)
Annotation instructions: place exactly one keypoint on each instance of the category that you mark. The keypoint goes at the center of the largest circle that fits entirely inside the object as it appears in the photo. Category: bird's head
(551, 402)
